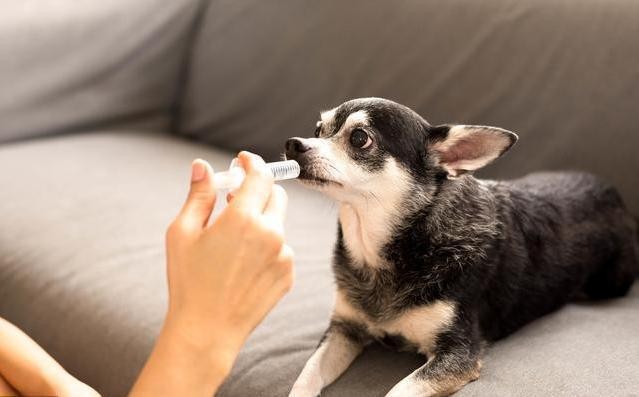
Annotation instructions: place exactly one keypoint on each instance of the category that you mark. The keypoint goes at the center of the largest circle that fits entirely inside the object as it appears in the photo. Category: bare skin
(223, 279)
(6, 389)
(26, 369)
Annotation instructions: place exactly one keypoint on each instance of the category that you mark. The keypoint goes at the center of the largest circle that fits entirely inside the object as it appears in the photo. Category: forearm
(6, 389)
(181, 365)
(26, 366)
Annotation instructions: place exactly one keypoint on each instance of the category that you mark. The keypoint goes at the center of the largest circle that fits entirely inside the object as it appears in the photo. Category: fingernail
(198, 171)
(247, 156)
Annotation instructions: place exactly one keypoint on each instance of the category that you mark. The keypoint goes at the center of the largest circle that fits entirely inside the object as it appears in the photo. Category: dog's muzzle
(295, 148)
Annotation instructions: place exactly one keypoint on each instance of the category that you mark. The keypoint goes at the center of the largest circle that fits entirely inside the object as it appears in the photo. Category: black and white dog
(428, 258)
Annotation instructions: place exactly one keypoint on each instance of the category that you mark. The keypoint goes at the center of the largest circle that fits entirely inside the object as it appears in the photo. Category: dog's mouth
(315, 180)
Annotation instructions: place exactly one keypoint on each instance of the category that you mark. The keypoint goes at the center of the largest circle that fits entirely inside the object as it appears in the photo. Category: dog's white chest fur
(368, 220)
(419, 325)
(363, 238)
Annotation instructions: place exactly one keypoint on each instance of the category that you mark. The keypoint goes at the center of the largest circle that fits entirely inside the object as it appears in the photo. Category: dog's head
(374, 146)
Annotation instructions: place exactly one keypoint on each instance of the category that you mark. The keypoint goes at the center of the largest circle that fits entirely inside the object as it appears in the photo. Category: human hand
(224, 278)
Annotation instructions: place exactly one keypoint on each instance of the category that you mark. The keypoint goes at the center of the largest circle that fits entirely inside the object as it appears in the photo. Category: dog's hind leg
(636, 231)
(342, 343)
(614, 278)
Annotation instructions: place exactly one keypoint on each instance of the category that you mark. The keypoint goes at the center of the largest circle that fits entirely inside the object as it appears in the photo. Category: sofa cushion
(82, 271)
(82, 252)
(562, 74)
(67, 65)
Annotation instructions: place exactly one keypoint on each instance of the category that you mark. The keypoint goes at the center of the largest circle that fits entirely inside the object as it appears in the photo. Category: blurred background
(247, 74)
(104, 103)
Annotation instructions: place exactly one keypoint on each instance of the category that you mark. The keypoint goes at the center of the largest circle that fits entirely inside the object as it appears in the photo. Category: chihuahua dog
(432, 260)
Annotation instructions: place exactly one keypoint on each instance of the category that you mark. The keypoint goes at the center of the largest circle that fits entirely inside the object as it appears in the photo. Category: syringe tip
(287, 169)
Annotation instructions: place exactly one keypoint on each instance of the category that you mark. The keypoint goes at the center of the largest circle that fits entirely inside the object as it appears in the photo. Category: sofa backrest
(67, 65)
(563, 74)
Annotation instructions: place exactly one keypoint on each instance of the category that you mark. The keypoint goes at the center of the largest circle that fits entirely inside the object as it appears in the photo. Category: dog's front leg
(342, 342)
(445, 373)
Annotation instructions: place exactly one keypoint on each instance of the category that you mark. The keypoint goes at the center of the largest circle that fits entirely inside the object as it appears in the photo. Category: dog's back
(567, 234)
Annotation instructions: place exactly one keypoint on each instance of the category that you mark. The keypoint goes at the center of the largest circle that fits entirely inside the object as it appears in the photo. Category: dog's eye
(318, 129)
(360, 139)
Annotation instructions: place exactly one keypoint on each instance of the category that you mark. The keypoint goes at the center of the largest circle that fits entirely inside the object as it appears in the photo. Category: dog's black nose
(295, 146)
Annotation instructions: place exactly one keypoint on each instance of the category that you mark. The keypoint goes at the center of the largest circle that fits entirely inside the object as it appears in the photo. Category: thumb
(201, 199)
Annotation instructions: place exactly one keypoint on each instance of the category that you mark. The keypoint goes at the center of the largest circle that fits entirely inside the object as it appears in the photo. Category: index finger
(255, 190)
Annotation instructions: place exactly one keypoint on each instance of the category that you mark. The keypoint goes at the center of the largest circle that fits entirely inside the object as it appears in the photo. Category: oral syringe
(232, 179)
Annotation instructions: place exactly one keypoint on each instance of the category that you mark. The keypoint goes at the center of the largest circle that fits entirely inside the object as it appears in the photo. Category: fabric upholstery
(83, 215)
(562, 74)
(82, 255)
(68, 65)
(82, 271)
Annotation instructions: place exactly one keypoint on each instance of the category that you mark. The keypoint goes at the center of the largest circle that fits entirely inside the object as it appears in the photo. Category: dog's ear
(463, 148)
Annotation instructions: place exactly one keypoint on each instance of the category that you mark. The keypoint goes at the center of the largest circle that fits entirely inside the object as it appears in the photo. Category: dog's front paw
(303, 393)
(306, 388)
(410, 387)
(295, 393)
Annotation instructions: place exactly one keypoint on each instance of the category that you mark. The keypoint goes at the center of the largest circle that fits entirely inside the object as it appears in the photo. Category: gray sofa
(104, 104)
